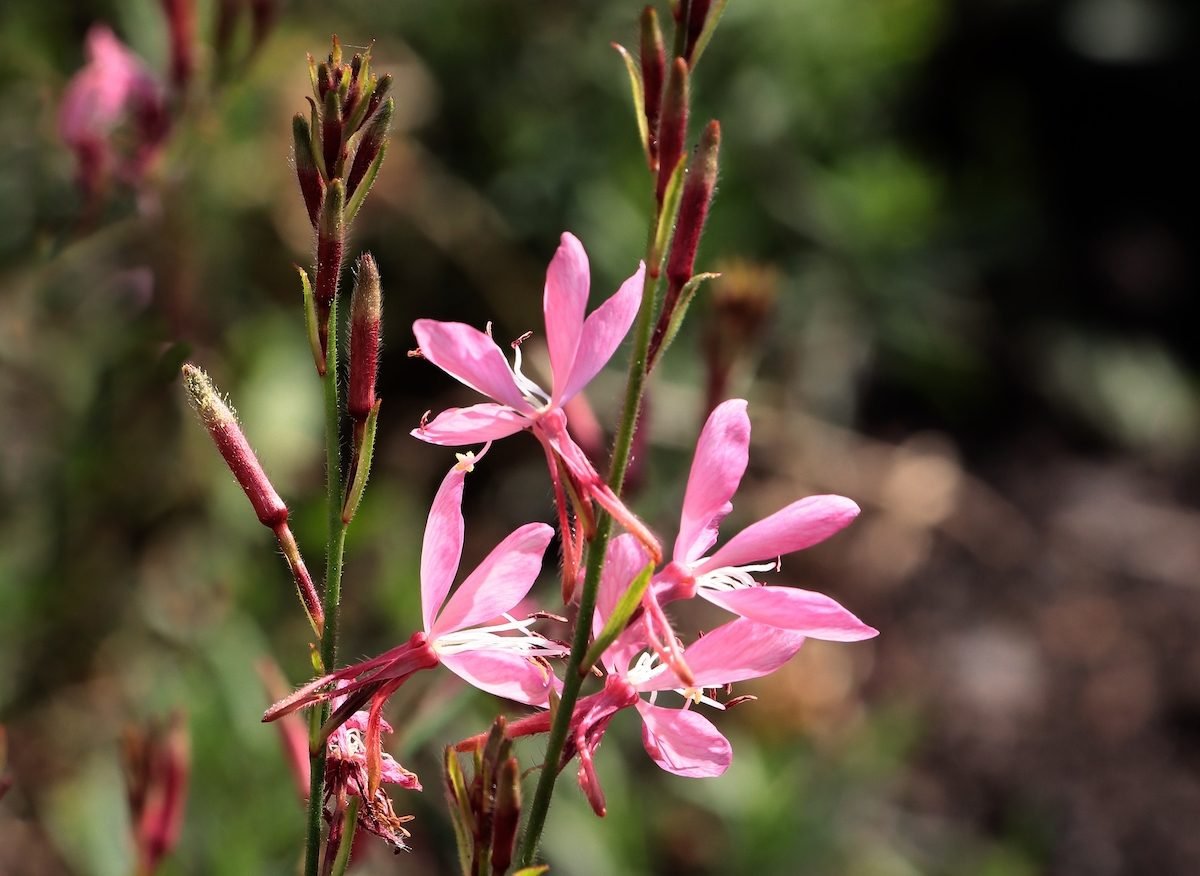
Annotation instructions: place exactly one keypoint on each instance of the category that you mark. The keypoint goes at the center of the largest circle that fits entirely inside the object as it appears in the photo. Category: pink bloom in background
(578, 346)
(679, 740)
(113, 89)
(726, 577)
(506, 659)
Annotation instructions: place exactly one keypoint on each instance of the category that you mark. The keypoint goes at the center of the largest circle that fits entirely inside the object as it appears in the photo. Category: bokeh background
(958, 237)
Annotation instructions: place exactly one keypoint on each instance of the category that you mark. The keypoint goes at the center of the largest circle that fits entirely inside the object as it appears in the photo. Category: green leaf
(639, 97)
(615, 625)
(666, 216)
(360, 194)
(310, 322)
(686, 294)
(362, 470)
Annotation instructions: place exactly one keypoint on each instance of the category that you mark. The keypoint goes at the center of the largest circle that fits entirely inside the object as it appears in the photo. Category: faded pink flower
(113, 89)
(578, 346)
(506, 659)
(726, 576)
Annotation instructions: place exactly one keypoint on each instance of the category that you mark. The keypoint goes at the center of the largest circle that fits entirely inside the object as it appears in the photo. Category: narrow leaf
(363, 469)
(617, 621)
(639, 98)
(310, 322)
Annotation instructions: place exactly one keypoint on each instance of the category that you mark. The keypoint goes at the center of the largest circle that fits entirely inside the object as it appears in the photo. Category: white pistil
(648, 666)
(537, 396)
(735, 577)
(527, 643)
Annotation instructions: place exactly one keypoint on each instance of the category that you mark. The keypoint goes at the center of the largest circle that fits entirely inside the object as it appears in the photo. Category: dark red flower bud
(366, 312)
(693, 210)
(331, 243)
(382, 87)
(672, 127)
(697, 15)
(332, 141)
(654, 65)
(312, 186)
(506, 815)
(372, 142)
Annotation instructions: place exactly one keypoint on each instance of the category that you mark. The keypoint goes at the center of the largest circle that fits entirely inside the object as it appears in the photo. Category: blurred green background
(968, 225)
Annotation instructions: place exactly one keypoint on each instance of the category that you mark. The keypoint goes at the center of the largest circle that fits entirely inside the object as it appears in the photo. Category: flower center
(734, 577)
(492, 638)
(649, 665)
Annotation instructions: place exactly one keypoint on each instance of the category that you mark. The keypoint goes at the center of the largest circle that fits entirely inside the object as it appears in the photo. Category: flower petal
(564, 303)
(454, 427)
(717, 468)
(625, 558)
(735, 651)
(504, 674)
(442, 547)
(801, 524)
(803, 611)
(683, 742)
(499, 582)
(471, 357)
(602, 333)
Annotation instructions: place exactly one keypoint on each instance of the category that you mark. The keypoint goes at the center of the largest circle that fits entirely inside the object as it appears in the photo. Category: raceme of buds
(672, 126)
(312, 186)
(157, 763)
(366, 312)
(654, 65)
(231, 442)
(486, 810)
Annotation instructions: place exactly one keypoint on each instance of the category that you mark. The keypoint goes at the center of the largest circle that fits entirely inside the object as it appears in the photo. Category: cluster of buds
(221, 422)
(157, 761)
(338, 149)
(486, 809)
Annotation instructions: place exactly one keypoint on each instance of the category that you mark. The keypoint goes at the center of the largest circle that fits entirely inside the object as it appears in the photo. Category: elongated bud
(181, 27)
(379, 94)
(672, 127)
(223, 426)
(507, 815)
(333, 143)
(373, 140)
(654, 65)
(697, 15)
(693, 209)
(366, 313)
(331, 244)
(311, 184)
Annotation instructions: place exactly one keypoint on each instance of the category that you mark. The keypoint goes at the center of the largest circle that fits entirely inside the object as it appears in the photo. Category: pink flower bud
(506, 815)
(672, 127)
(312, 186)
(654, 64)
(366, 311)
(223, 426)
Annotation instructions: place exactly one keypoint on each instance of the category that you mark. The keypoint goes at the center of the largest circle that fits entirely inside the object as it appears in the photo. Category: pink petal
(504, 674)
(801, 524)
(470, 356)
(104, 90)
(476, 424)
(812, 614)
(683, 742)
(442, 547)
(602, 334)
(735, 651)
(499, 582)
(625, 558)
(717, 468)
(564, 303)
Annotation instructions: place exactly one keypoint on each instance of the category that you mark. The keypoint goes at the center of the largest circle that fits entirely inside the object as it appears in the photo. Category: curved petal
(683, 742)
(625, 558)
(717, 468)
(471, 357)
(735, 651)
(504, 674)
(476, 424)
(442, 548)
(801, 524)
(499, 582)
(564, 303)
(814, 615)
(602, 334)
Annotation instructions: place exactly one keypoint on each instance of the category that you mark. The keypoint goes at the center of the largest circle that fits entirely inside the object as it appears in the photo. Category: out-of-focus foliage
(983, 330)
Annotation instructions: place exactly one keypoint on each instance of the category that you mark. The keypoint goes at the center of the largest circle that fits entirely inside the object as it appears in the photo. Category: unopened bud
(693, 209)
(672, 126)
(311, 184)
(697, 15)
(506, 815)
(654, 65)
(373, 139)
(332, 139)
(366, 312)
(223, 426)
(379, 94)
(331, 243)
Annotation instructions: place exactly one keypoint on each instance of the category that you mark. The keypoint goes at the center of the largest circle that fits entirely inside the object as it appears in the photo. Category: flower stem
(573, 680)
(336, 541)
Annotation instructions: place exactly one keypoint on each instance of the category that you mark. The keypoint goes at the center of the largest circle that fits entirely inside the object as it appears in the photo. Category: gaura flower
(506, 659)
(727, 576)
(679, 740)
(578, 347)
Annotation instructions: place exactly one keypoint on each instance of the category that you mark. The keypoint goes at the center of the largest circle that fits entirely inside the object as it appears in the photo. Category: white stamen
(527, 643)
(537, 396)
(734, 577)
(648, 666)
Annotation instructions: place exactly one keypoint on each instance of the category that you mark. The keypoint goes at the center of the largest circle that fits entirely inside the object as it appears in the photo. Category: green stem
(335, 544)
(573, 680)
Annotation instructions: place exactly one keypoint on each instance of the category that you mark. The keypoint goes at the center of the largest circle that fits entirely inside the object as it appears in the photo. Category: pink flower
(579, 348)
(113, 87)
(506, 659)
(679, 740)
(726, 576)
